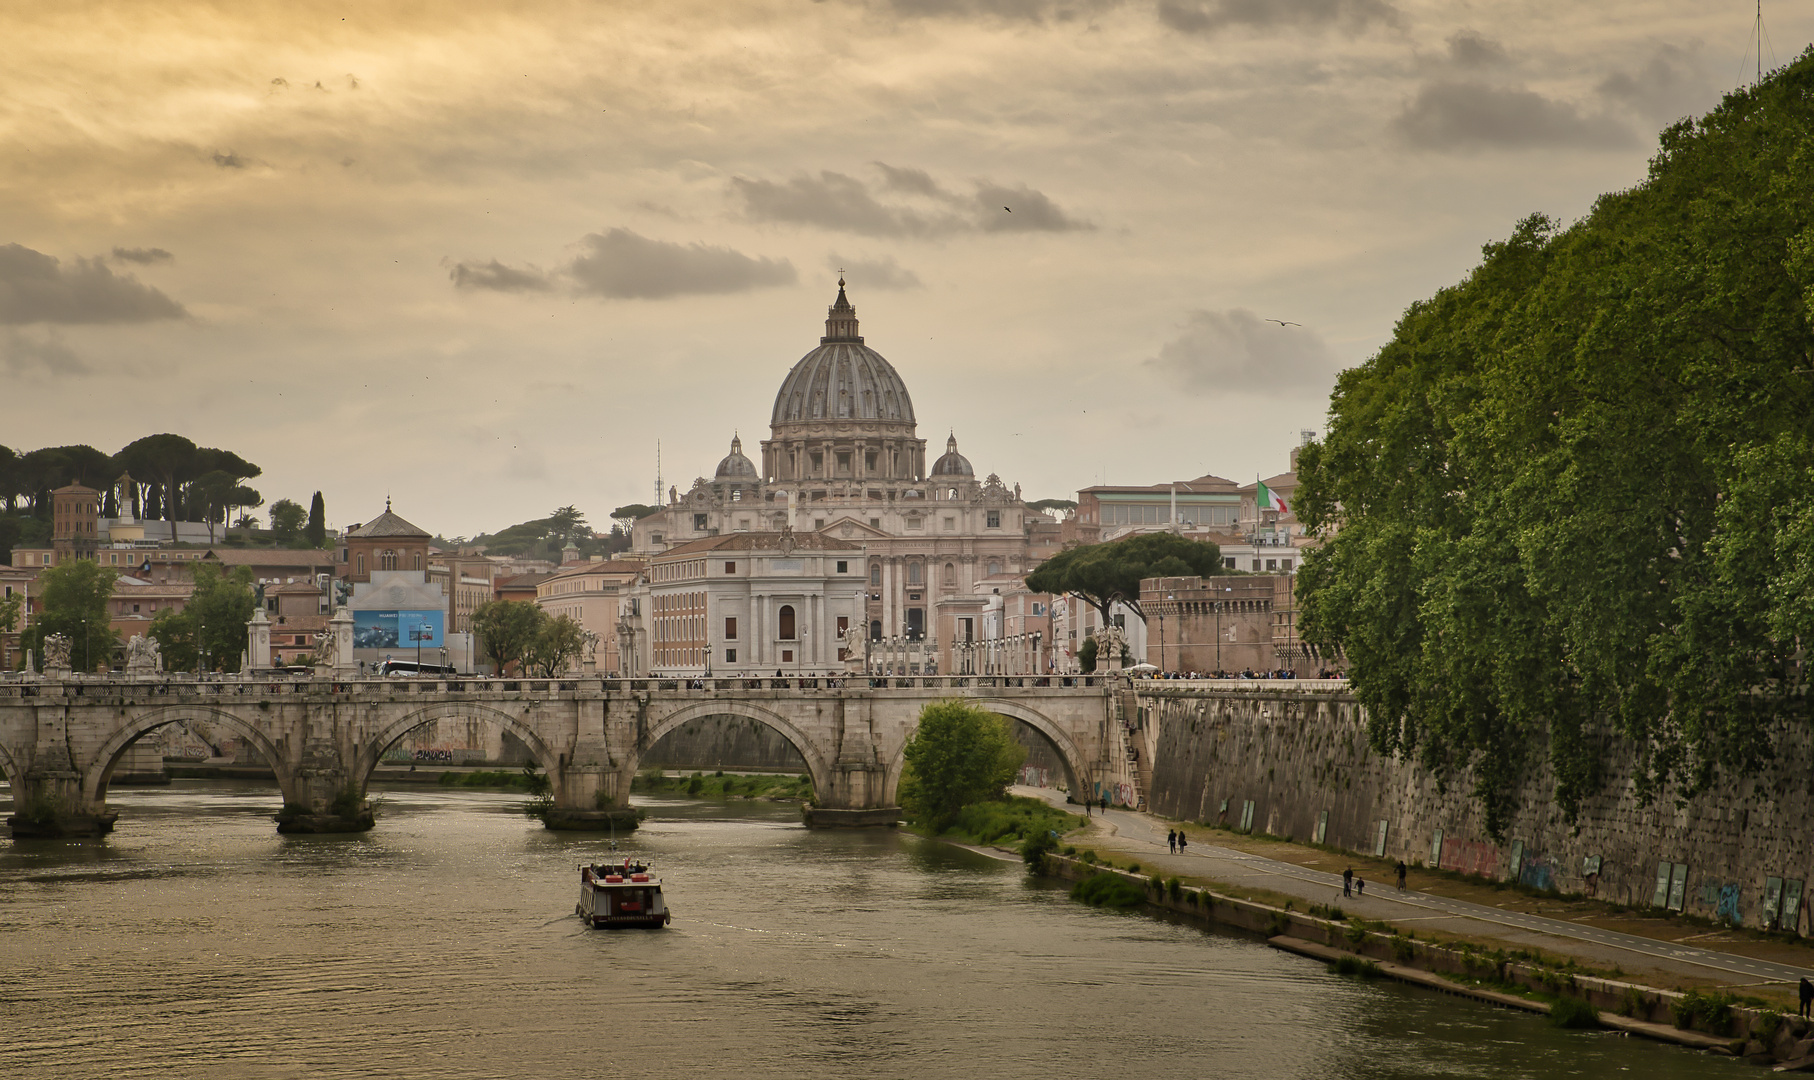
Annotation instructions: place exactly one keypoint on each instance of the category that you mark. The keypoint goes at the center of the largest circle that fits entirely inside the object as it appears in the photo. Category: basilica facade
(844, 460)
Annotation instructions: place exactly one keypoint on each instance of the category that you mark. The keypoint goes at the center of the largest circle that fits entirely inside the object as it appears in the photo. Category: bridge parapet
(60, 738)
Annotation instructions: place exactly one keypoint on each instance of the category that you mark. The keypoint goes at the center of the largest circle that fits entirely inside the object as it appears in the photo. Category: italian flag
(1271, 500)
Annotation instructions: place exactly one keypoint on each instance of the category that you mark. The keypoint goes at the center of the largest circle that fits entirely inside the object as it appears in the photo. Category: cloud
(1473, 50)
(229, 160)
(496, 276)
(883, 273)
(1671, 85)
(1236, 350)
(26, 355)
(1461, 115)
(621, 264)
(37, 288)
(143, 256)
(1211, 16)
(904, 202)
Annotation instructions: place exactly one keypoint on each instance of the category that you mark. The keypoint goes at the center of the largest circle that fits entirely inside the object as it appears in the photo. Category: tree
(1567, 506)
(163, 463)
(74, 603)
(316, 532)
(1061, 508)
(287, 520)
(1086, 654)
(558, 640)
(959, 755)
(1106, 574)
(627, 516)
(209, 634)
(507, 630)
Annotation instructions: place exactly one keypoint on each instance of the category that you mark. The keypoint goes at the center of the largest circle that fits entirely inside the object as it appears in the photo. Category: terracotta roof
(388, 524)
(1202, 484)
(759, 541)
(626, 567)
(271, 556)
(293, 588)
(522, 581)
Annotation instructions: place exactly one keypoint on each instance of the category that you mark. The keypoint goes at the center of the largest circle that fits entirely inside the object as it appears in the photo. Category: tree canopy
(960, 755)
(74, 604)
(211, 629)
(1572, 500)
(545, 538)
(1104, 574)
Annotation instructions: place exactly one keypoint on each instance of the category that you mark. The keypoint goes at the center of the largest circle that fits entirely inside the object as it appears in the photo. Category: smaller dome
(953, 463)
(735, 466)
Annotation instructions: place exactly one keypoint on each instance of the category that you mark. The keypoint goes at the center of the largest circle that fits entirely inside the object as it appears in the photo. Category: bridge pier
(591, 798)
(49, 803)
(324, 797)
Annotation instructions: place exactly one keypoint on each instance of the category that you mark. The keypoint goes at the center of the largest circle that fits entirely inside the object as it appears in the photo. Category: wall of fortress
(1297, 764)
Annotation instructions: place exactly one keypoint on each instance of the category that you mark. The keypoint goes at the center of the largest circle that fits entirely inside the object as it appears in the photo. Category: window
(994, 568)
(913, 573)
(730, 567)
(916, 623)
(1272, 564)
(913, 522)
(786, 629)
(843, 625)
(1229, 562)
(730, 656)
(843, 461)
(1285, 564)
(874, 523)
(743, 524)
(818, 463)
(951, 574)
(1256, 564)
(736, 494)
(656, 538)
(787, 656)
(387, 559)
(730, 628)
(1038, 608)
(995, 519)
(362, 562)
(418, 565)
(818, 523)
(950, 524)
(875, 630)
(698, 522)
(875, 573)
(843, 566)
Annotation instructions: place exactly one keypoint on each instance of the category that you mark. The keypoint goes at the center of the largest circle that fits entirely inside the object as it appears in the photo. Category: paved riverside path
(1142, 835)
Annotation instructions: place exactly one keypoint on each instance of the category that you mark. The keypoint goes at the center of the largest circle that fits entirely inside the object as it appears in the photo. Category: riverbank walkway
(1661, 952)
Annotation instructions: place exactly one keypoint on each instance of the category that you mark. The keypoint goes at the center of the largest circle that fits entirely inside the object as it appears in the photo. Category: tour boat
(615, 897)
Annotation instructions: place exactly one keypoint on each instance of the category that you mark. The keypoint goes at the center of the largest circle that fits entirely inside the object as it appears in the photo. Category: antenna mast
(657, 501)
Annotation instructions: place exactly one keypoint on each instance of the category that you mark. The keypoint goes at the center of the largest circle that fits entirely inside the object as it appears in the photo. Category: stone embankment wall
(1297, 764)
(724, 742)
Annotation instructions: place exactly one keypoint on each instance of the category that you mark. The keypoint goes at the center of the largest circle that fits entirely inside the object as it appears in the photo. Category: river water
(196, 942)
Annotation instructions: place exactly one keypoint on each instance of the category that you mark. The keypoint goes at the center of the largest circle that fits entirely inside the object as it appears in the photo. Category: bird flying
(1282, 322)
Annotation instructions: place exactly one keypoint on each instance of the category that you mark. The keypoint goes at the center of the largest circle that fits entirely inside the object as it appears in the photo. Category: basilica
(844, 462)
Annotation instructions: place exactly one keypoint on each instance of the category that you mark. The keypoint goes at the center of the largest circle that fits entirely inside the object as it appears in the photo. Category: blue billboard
(398, 629)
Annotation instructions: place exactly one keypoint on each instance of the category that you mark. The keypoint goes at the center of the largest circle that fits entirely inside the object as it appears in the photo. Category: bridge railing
(268, 686)
(1239, 685)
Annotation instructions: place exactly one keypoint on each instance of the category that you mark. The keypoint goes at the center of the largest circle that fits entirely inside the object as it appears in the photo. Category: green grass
(722, 786)
(506, 779)
(1011, 821)
(1346, 964)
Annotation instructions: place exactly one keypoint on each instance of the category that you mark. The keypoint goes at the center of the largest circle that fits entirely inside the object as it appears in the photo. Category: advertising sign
(398, 629)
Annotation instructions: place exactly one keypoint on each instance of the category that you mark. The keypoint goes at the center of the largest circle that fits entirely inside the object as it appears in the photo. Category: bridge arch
(99, 769)
(1068, 751)
(371, 751)
(816, 765)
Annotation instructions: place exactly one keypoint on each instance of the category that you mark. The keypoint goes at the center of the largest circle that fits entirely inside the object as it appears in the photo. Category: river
(196, 942)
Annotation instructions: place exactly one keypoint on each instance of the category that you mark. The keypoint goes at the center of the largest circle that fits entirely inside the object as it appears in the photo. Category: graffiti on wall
(1537, 872)
(1470, 857)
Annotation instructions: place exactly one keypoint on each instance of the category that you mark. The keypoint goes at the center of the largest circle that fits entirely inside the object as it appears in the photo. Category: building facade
(752, 603)
(844, 461)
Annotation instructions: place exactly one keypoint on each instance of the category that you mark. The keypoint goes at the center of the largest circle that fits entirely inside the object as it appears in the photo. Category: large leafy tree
(209, 634)
(959, 755)
(74, 603)
(1104, 574)
(287, 520)
(507, 630)
(1571, 502)
(558, 641)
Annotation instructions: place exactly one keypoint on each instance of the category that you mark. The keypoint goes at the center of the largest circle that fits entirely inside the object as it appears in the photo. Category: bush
(1034, 849)
(1634, 1003)
(1711, 1013)
(1347, 964)
(1010, 820)
(1174, 887)
(1108, 890)
(1572, 1012)
(1402, 949)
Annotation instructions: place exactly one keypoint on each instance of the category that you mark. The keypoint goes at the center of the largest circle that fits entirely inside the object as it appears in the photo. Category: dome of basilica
(952, 463)
(735, 466)
(842, 379)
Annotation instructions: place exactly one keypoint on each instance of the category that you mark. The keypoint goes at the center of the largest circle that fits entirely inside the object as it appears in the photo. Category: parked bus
(409, 669)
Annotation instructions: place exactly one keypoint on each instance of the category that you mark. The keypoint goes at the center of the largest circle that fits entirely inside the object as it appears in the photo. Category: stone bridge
(62, 737)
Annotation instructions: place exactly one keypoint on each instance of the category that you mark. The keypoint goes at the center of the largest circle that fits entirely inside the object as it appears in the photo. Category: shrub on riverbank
(1108, 890)
(1011, 820)
(1570, 1012)
(505, 779)
(1347, 964)
(722, 786)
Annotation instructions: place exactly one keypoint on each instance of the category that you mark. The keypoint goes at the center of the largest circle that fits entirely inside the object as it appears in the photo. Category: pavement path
(1137, 831)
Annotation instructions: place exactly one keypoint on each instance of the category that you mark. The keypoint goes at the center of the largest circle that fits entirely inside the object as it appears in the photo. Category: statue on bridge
(143, 656)
(325, 653)
(56, 652)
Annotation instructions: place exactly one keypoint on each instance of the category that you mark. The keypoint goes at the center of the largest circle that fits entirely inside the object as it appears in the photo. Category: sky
(482, 258)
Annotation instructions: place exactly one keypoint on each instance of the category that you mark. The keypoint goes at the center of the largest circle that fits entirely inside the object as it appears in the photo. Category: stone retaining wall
(1297, 764)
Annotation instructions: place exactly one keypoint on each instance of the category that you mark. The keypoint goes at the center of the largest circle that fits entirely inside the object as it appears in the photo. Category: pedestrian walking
(1348, 882)
(1171, 840)
(1087, 807)
(1401, 875)
(1180, 841)
(1105, 804)
(1807, 996)
(1360, 886)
